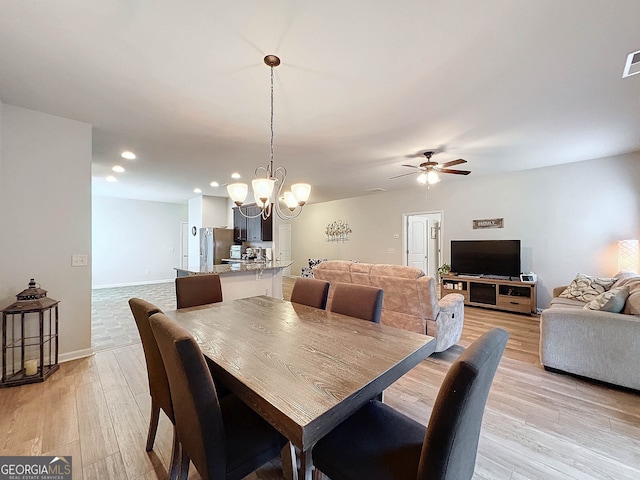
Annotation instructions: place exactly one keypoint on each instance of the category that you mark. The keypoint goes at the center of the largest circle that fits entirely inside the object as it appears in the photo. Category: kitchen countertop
(237, 267)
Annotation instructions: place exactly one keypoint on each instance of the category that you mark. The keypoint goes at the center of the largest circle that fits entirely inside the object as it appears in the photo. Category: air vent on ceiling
(632, 66)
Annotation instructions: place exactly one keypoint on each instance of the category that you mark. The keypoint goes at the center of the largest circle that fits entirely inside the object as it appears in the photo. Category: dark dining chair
(158, 382)
(378, 442)
(360, 301)
(194, 290)
(223, 437)
(311, 292)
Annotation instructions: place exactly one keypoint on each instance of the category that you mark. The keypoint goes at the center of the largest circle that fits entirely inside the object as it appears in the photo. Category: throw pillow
(316, 261)
(585, 288)
(610, 301)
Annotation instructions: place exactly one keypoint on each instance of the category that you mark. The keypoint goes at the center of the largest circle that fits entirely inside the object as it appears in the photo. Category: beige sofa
(596, 344)
(410, 300)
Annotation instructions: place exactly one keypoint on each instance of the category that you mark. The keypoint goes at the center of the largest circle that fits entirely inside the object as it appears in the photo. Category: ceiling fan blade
(402, 175)
(457, 172)
(406, 165)
(453, 162)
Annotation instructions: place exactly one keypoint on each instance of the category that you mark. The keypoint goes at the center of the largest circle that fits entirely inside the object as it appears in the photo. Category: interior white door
(423, 241)
(284, 246)
(417, 253)
(184, 245)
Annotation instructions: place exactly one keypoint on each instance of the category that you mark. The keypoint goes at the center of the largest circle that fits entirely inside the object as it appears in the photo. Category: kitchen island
(245, 279)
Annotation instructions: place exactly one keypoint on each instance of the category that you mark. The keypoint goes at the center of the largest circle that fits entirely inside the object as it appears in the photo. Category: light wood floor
(537, 425)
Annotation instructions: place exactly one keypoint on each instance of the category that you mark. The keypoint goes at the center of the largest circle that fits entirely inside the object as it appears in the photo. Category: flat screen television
(500, 258)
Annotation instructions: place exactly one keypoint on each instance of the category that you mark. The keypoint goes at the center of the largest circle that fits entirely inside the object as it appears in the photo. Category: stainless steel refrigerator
(214, 246)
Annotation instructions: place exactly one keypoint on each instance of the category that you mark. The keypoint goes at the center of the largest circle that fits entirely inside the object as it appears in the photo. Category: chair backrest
(194, 290)
(196, 407)
(451, 443)
(309, 291)
(360, 301)
(158, 382)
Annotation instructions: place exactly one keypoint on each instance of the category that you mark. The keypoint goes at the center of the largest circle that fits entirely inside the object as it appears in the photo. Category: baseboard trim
(132, 284)
(75, 355)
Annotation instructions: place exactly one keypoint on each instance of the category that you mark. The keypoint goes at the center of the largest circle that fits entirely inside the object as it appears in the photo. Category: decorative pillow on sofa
(307, 272)
(610, 301)
(316, 261)
(585, 288)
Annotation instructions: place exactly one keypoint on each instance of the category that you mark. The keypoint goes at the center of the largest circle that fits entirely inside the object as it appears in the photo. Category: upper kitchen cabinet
(239, 226)
(252, 229)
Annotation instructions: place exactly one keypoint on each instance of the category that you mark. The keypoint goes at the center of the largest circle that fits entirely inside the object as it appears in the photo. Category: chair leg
(289, 462)
(184, 465)
(306, 465)
(318, 475)
(153, 424)
(176, 452)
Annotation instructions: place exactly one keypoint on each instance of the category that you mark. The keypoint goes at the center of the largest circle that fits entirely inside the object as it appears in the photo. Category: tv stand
(497, 293)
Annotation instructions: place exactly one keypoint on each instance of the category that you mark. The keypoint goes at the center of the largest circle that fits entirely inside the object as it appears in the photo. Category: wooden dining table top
(302, 369)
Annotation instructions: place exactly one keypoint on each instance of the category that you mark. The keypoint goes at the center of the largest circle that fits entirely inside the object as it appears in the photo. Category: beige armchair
(410, 298)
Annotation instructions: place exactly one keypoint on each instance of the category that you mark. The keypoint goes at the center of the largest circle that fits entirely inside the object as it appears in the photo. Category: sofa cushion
(558, 302)
(361, 273)
(398, 271)
(632, 306)
(612, 300)
(586, 288)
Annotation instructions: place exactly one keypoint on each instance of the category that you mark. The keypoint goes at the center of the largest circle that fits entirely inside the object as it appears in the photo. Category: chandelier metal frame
(266, 196)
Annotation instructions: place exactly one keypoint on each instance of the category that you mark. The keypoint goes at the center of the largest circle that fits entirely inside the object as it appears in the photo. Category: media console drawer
(519, 304)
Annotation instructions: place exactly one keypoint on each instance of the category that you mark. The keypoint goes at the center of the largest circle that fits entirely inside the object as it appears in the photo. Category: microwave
(236, 252)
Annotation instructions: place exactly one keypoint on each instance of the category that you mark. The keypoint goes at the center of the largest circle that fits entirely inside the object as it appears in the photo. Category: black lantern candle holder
(20, 338)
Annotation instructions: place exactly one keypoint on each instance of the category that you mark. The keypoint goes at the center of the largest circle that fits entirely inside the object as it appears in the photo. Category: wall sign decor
(489, 223)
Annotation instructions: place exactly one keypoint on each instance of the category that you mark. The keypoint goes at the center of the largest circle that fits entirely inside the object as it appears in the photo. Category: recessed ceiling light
(111, 178)
(197, 190)
(118, 169)
(128, 155)
(235, 175)
(214, 184)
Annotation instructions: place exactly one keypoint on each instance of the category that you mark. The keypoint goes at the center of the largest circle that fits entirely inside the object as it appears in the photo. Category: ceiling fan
(429, 170)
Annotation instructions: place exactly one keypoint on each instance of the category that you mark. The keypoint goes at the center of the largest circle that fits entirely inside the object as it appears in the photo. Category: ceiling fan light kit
(265, 194)
(429, 171)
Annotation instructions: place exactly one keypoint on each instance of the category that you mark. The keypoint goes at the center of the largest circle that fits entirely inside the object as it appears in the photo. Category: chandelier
(265, 194)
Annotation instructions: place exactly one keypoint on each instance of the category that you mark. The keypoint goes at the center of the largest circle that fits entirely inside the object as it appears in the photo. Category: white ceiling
(364, 86)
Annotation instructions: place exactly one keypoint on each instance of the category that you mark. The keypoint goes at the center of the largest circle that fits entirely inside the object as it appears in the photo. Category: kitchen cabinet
(252, 229)
(239, 226)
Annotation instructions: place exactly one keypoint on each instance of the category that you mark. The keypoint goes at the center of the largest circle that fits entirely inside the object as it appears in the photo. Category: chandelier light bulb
(238, 192)
(432, 177)
(263, 188)
(290, 200)
(422, 178)
(260, 202)
(301, 192)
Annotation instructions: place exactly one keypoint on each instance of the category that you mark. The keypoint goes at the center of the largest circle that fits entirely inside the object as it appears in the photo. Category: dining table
(302, 369)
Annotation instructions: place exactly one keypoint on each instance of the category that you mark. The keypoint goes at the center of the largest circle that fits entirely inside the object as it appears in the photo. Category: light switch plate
(78, 260)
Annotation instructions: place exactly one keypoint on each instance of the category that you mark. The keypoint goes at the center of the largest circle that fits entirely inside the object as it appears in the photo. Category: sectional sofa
(597, 339)
(410, 299)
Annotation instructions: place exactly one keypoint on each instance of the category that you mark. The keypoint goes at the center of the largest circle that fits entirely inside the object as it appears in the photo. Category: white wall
(569, 218)
(45, 213)
(135, 241)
